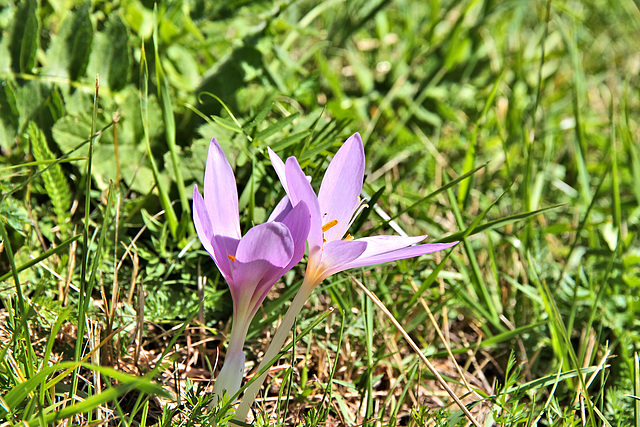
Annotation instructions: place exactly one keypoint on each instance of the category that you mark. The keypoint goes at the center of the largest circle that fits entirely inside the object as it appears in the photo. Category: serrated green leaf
(54, 180)
(70, 131)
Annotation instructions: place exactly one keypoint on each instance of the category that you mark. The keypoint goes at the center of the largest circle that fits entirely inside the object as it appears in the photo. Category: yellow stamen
(232, 258)
(329, 225)
(348, 237)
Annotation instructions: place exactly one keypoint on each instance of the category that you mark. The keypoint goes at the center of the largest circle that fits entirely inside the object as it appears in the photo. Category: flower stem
(230, 377)
(275, 346)
(232, 372)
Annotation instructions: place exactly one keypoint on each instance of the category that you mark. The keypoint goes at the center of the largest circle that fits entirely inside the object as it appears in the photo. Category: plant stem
(230, 377)
(275, 346)
(232, 372)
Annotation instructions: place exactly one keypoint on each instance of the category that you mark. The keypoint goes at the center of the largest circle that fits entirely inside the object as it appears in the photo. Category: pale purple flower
(334, 209)
(251, 264)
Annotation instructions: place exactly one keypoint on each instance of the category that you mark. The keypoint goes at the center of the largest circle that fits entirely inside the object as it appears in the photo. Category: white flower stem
(232, 372)
(230, 377)
(275, 346)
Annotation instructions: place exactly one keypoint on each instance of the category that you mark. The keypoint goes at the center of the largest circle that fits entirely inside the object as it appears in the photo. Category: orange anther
(232, 258)
(328, 225)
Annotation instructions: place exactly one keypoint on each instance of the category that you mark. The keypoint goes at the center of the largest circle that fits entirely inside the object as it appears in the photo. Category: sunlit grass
(511, 126)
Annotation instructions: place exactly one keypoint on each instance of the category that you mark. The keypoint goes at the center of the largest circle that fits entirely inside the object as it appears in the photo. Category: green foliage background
(537, 100)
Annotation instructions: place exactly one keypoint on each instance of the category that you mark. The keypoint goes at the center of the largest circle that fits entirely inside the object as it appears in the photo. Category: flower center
(232, 258)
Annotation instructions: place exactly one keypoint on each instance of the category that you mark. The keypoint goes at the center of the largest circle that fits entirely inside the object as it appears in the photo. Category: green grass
(508, 125)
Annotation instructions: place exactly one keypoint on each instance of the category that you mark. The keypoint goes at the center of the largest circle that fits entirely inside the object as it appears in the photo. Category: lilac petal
(278, 165)
(220, 193)
(337, 255)
(298, 221)
(223, 247)
(410, 252)
(261, 259)
(300, 190)
(341, 186)
(202, 221)
(270, 241)
(207, 238)
(377, 245)
(252, 281)
(281, 210)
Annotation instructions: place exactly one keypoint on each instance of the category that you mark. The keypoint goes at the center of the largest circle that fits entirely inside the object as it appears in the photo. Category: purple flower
(251, 264)
(334, 209)
(330, 251)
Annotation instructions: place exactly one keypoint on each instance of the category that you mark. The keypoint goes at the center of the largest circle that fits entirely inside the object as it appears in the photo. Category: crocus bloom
(330, 251)
(250, 264)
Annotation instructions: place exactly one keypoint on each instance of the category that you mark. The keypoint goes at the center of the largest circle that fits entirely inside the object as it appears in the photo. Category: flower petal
(278, 165)
(300, 190)
(261, 259)
(410, 252)
(251, 282)
(341, 186)
(281, 210)
(337, 255)
(220, 193)
(298, 221)
(202, 222)
(218, 247)
(377, 245)
(271, 242)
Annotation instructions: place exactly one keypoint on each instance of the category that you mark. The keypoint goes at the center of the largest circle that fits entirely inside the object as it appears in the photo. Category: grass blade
(169, 118)
(165, 202)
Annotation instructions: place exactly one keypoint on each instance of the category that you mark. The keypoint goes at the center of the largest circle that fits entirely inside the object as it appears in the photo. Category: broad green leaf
(71, 131)
(13, 212)
(68, 54)
(30, 97)
(9, 115)
(5, 55)
(24, 37)
(120, 58)
(110, 56)
(79, 42)
(139, 18)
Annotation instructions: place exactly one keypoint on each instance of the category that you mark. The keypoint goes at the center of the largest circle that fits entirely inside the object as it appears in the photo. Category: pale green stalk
(276, 345)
